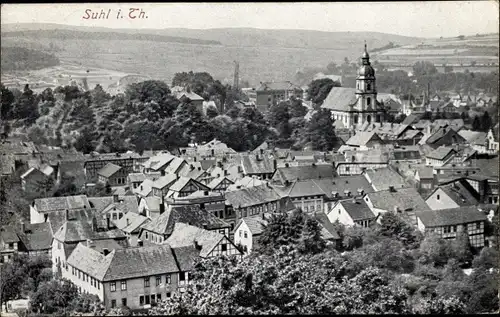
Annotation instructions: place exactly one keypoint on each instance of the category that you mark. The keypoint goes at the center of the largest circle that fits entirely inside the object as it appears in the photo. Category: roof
(7, 164)
(441, 152)
(186, 257)
(254, 224)
(340, 99)
(461, 192)
(280, 85)
(145, 188)
(90, 261)
(158, 161)
(136, 177)
(411, 119)
(293, 173)
(182, 181)
(343, 184)
(130, 222)
(406, 153)
(357, 209)
(474, 137)
(369, 156)
(361, 138)
(125, 203)
(193, 215)
(109, 170)
(385, 130)
(38, 236)
(327, 225)
(8, 234)
(405, 199)
(257, 164)
(425, 172)
(184, 235)
(33, 171)
(153, 203)
(174, 165)
(164, 181)
(383, 178)
(216, 181)
(251, 196)
(75, 231)
(44, 205)
(300, 189)
(452, 216)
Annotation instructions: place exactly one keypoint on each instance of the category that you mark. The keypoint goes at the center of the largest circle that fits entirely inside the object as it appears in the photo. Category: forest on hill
(19, 58)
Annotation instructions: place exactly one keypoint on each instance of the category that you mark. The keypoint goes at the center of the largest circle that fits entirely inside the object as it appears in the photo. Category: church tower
(366, 92)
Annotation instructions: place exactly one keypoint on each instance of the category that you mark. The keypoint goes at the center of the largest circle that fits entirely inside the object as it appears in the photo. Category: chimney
(275, 164)
(23, 227)
(226, 173)
(353, 200)
(360, 191)
(205, 226)
(128, 222)
(396, 209)
(89, 243)
(162, 205)
(141, 187)
(219, 164)
(191, 167)
(105, 251)
(263, 216)
(140, 243)
(115, 198)
(196, 245)
(391, 189)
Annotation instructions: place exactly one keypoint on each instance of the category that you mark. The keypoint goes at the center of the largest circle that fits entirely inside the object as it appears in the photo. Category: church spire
(366, 57)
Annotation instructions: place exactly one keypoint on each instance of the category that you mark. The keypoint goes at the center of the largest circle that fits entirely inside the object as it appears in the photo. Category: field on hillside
(478, 52)
(163, 60)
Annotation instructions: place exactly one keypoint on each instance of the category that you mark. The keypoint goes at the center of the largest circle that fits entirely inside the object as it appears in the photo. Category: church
(357, 107)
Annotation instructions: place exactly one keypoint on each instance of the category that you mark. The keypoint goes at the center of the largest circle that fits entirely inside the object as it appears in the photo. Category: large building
(356, 107)
(270, 93)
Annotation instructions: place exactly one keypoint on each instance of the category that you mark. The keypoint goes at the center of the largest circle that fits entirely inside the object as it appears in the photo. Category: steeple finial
(365, 47)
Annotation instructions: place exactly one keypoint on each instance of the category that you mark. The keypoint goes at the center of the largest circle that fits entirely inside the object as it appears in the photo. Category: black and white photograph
(249, 158)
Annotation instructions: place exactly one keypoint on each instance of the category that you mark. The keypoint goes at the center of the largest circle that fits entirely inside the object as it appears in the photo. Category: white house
(247, 231)
(352, 212)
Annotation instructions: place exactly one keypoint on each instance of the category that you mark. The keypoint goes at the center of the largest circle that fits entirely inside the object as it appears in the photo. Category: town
(194, 197)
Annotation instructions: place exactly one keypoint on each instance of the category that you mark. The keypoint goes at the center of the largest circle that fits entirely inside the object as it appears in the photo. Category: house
(215, 149)
(130, 224)
(305, 195)
(42, 207)
(351, 212)
(256, 200)
(207, 243)
(402, 201)
(113, 175)
(161, 186)
(175, 166)
(424, 177)
(212, 202)
(448, 222)
(134, 180)
(160, 228)
(184, 186)
(151, 207)
(157, 163)
(247, 232)
(287, 175)
(187, 96)
(220, 184)
(134, 277)
(259, 165)
(245, 182)
(384, 178)
(405, 154)
(442, 136)
(440, 156)
(145, 189)
(365, 140)
(270, 93)
(453, 194)
(111, 206)
(34, 180)
(96, 161)
(356, 162)
(9, 243)
(493, 140)
(74, 231)
(476, 139)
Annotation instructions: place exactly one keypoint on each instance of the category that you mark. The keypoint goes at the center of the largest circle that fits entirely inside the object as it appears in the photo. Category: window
(114, 216)
(158, 297)
(169, 294)
(147, 300)
(92, 281)
(368, 101)
(152, 298)
(158, 280)
(98, 285)
(124, 286)
(246, 235)
(124, 302)
(437, 197)
(146, 235)
(241, 232)
(368, 87)
(79, 274)
(168, 279)
(112, 286)
(478, 225)
(182, 276)
(224, 247)
(347, 168)
(120, 215)
(141, 300)
(146, 282)
(113, 303)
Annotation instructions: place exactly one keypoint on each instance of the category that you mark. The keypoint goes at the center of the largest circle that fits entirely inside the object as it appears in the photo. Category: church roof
(340, 99)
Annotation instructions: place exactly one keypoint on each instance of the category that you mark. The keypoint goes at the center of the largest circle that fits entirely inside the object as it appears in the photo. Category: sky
(415, 18)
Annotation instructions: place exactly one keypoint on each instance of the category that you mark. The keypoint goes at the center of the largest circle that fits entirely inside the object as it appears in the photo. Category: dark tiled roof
(294, 173)
(327, 225)
(452, 216)
(44, 205)
(185, 235)
(125, 203)
(185, 257)
(251, 196)
(38, 236)
(461, 192)
(361, 138)
(357, 209)
(403, 198)
(75, 231)
(441, 152)
(8, 234)
(193, 215)
(257, 164)
(341, 185)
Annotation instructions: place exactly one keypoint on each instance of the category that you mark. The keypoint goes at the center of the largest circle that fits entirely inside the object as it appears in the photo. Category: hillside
(63, 34)
(19, 58)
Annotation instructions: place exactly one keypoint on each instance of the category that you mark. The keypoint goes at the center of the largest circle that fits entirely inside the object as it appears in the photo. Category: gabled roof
(383, 178)
(184, 235)
(164, 181)
(425, 172)
(182, 181)
(279, 85)
(174, 165)
(441, 152)
(38, 236)
(153, 203)
(32, 171)
(131, 222)
(452, 216)
(216, 181)
(293, 173)
(327, 226)
(254, 224)
(461, 192)
(193, 215)
(340, 99)
(342, 185)
(402, 198)
(145, 188)
(411, 119)
(44, 205)
(109, 170)
(474, 137)
(8, 234)
(125, 203)
(257, 164)
(357, 209)
(75, 231)
(300, 189)
(90, 261)
(369, 156)
(361, 138)
(251, 196)
(158, 161)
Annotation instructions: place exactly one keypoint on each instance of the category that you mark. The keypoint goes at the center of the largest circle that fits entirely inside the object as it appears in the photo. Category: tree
(422, 68)
(320, 88)
(435, 250)
(461, 248)
(6, 99)
(476, 124)
(391, 225)
(320, 131)
(486, 122)
(212, 112)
